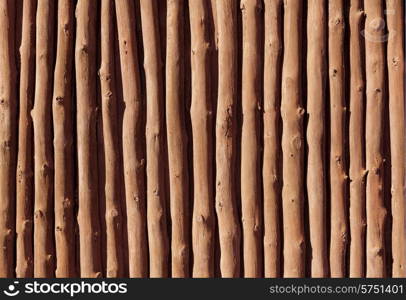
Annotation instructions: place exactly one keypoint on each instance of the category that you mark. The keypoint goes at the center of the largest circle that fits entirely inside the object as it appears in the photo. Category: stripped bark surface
(25, 162)
(292, 143)
(88, 214)
(156, 191)
(114, 265)
(338, 177)
(202, 125)
(177, 139)
(63, 143)
(316, 173)
(44, 248)
(250, 156)
(133, 142)
(226, 201)
(396, 74)
(8, 104)
(271, 172)
(356, 144)
(375, 78)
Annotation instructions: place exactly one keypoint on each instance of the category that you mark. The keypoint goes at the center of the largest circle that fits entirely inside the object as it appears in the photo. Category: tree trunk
(338, 177)
(201, 118)
(156, 192)
(316, 95)
(292, 143)
(63, 142)
(88, 214)
(356, 144)
(375, 78)
(177, 139)
(44, 257)
(226, 202)
(396, 73)
(133, 141)
(8, 102)
(250, 158)
(24, 183)
(114, 267)
(272, 148)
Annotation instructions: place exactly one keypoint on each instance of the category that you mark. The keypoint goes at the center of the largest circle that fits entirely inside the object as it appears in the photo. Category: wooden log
(396, 75)
(292, 143)
(177, 139)
(357, 144)
(113, 217)
(88, 214)
(133, 141)
(338, 177)
(44, 248)
(316, 173)
(271, 171)
(226, 201)
(25, 161)
(375, 85)
(201, 118)
(63, 142)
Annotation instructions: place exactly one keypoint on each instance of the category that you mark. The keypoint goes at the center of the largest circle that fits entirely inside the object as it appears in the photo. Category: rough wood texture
(202, 126)
(226, 201)
(250, 157)
(156, 192)
(133, 141)
(356, 144)
(316, 97)
(375, 85)
(8, 104)
(271, 173)
(63, 142)
(25, 161)
(338, 177)
(396, 73)
(112, 193)
(177, 139)
(44, 251)
(88, 214)
(292, 143)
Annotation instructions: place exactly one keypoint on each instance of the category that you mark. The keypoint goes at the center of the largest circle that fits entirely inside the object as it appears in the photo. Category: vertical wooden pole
(177, 139)
(44, 251)
(133, 142)
(88, 214)
(63, 142)
(25, 161)
(292, 143)
(316, 98)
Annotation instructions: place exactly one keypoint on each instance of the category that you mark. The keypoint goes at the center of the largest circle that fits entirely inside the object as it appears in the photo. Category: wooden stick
(375, 78)
(133, 142)
(114, 266)
(44, 257)
(88, 214)
(226, 202)
(292, 143)
(25, 162)
(316, 95)
(271, 163)
(8, 133)
(63, 143)
(156, 194)
(201, 118)
(338, 177)
(396, 73)
(250, 161)
(177, 139)
(356, 144)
